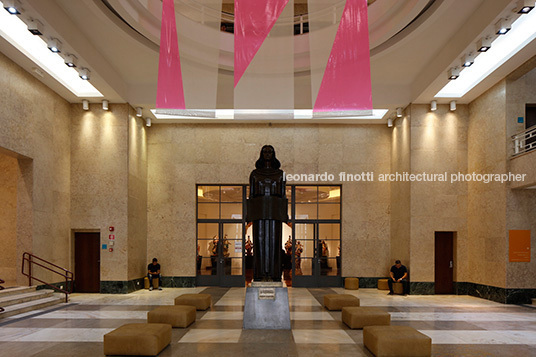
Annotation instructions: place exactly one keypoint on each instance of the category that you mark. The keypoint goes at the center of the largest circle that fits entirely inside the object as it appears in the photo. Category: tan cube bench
(146, 283)
(383, 284)
(398, 288)
(137, 339)
(338, 301)
(200, 301)
(351, 283)
(176, 316)
(396, 341)
(359, 317)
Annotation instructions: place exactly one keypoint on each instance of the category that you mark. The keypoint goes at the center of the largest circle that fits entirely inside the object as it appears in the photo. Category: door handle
(450, 264)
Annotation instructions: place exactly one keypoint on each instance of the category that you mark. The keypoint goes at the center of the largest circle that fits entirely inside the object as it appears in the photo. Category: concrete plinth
(266, 308)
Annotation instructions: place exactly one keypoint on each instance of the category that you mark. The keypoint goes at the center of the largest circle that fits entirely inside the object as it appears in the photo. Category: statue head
(267, 158)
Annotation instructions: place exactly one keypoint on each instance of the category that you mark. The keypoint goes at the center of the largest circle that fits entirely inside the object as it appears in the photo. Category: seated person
(399, 274)
(154, 272)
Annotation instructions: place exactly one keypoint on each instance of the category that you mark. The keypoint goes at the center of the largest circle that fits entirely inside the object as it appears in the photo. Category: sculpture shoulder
(266, 173)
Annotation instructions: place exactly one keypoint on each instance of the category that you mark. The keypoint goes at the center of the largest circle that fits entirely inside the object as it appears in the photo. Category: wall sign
(519, 245)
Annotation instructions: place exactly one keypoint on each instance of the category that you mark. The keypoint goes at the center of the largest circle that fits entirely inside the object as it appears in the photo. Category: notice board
(519, 245)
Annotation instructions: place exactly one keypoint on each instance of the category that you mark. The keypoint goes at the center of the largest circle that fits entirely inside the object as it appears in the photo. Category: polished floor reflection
(458, 325)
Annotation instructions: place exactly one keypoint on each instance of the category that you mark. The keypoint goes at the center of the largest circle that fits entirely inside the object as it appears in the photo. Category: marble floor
(458, 325)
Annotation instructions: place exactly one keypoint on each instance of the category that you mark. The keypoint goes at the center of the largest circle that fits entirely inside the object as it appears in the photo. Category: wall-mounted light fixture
(484, 44)
(524, 6)
(139, 112)
(452, 105)
(84, 73)
(503, 26)
(54, 45)
(12, 6)
(468, 59)
(399, 112)
(105, 104)
(70, 60)
(454, 73)
(148, 122)
(35, 27)
(85, 104)
(390, 122)
(433, 105)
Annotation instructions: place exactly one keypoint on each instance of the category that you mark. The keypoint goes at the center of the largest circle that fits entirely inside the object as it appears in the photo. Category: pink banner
(253, 21)
(346, 82)
(170, 93)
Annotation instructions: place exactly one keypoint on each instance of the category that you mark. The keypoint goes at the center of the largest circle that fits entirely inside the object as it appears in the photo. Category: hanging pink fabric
(346, 82)
(253, 21)
(170, 93)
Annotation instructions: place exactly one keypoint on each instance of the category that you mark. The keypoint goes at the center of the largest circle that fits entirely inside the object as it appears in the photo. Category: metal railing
(524, 142)
(34, 260)
(2, 288)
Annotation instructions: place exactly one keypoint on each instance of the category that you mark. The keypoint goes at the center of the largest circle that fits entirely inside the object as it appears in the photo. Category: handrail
(68, 275)
(524, 142)
(2, 288)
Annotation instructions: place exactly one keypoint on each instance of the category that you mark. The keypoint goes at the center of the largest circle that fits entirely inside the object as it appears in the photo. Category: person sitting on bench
(399, 274)
(154, 272)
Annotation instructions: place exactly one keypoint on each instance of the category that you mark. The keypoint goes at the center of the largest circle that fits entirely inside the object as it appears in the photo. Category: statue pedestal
(266, 307)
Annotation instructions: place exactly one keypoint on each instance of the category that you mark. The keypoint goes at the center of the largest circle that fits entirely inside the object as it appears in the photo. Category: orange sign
(519, 244)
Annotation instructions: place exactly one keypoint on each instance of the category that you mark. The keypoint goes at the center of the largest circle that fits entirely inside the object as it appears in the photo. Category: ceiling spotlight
(148, 122)
(35, 27)
(54, 45)
(83, 73)
(85, 104)
(12, 6)
(524, 6)
(390, 122)
(139, 112)
(105, 104)
(503, 26)
(399, 112)
(484, 44)
(433, 105)
(454, 73)
(70, 60)
(452, 105)
(468, 59)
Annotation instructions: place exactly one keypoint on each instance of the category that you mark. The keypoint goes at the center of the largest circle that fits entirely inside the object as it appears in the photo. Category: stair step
(17, 290)
(533, 301)
(32, 305)
(14, 299)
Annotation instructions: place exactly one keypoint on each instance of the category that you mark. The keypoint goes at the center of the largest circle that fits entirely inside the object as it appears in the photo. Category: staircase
(24, 299)
(534, 302)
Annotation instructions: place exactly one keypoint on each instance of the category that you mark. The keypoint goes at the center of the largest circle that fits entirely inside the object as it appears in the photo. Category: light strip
(272, 114)
(15, 31)
(503, 48)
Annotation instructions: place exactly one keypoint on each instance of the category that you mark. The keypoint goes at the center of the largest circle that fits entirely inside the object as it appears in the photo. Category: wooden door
(87, 262)
(444, 262)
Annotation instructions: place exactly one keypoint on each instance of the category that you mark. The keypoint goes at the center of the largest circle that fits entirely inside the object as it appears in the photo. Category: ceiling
(413, 43)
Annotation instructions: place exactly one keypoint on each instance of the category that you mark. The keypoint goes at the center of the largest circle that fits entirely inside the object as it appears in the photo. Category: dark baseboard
(126, 287)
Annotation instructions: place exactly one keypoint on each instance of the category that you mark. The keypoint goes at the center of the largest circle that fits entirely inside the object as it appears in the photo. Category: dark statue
(267, 207)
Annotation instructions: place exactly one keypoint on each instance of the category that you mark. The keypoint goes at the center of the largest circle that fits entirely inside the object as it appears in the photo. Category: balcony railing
(524, 142)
